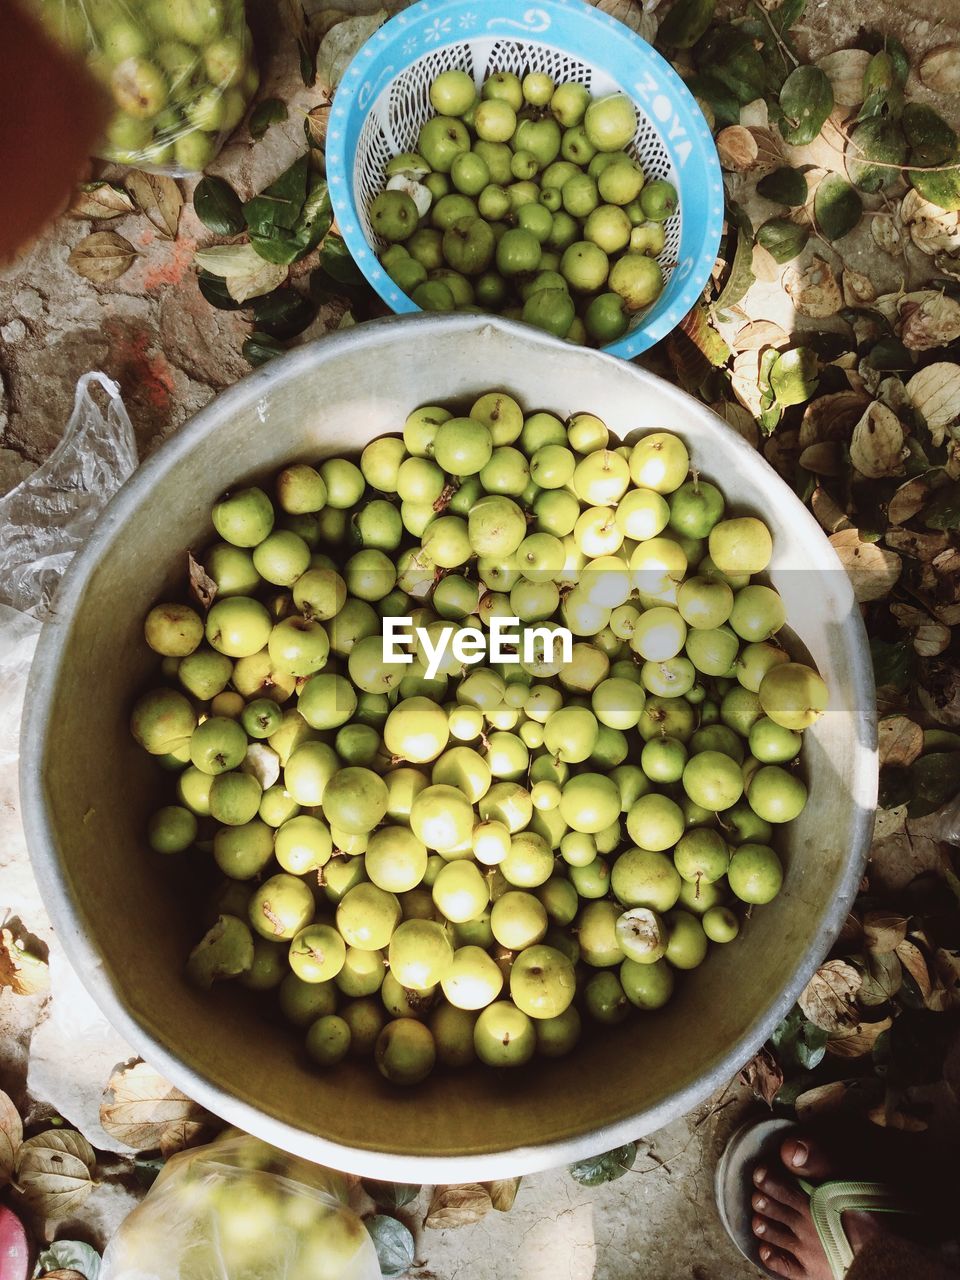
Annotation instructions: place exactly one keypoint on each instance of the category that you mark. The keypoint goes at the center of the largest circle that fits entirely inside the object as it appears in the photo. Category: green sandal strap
(831, 1200)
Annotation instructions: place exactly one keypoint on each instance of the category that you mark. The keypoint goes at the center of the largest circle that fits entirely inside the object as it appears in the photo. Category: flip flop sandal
(759, 1143)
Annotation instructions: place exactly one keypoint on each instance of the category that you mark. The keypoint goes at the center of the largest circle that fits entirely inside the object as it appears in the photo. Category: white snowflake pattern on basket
(439, 28)
(468, 21)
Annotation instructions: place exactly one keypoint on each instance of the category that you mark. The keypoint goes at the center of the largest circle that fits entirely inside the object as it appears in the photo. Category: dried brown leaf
(824, 1099)
(825, 459)
(832, 417)
(908, 500)
(54, 1172)
(814, 290)
(159, 198)
(911, 542)
(845, 70)
(900, 741)
(914, 961)
(24, 974)
(899, 858)
(765, 267)
(759, 334)
(202, 586)
(887, 232)
(934, 322)
(861, 1040)
(882, 980)
(884, 930)
(850, 937)
(877, 448)
(889, 821)
(632, 14)
(99, 201)
(764, 1075)
(935, 393)
(830, 515)
(317, 123)
(61, 1273)
(828, 998)
(945, 995)
(769, 150)
(741, 419)
(858, 290)
(142, 1109)
(503, 1192)
(461, 1205)
(889, 1116)
(932, 229)
(737, 149)
(101, 257)
(932, 639)
(939, 69)
(872, 570)
(11, 1136)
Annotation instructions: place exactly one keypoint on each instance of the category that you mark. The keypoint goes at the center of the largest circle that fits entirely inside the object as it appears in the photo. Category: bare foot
(789, 1244)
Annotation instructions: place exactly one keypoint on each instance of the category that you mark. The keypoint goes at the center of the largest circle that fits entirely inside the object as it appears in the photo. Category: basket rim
(630, 61)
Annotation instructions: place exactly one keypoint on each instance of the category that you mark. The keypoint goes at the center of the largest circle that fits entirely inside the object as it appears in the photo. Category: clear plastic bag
(43, 522)
(180, 72)
(239, 1209)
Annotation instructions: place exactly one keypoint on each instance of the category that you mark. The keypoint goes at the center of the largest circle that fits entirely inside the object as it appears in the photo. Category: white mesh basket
(383, 101)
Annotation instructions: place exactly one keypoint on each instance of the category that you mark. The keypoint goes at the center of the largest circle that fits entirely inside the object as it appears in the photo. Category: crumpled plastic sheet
(239, 1209)
(48, 517)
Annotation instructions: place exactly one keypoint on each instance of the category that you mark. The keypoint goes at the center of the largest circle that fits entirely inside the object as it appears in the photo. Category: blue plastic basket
(383, 99)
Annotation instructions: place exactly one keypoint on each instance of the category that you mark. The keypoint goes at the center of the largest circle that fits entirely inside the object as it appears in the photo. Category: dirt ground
(171, 353)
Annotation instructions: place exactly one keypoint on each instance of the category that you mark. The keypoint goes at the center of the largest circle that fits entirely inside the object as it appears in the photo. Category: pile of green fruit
(180, 72)
(457, 861)
(527, 202)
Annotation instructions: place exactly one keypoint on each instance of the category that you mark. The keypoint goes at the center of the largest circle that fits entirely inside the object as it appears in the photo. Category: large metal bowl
(87, 790)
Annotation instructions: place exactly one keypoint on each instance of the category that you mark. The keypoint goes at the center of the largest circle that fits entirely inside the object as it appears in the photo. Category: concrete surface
(152, 331)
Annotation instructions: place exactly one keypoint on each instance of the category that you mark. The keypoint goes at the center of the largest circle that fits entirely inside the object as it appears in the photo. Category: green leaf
(722, 101)
(936, 779)
(806, 100)
(218, 207)
(685, 23)
(291, 216)
(930, 138)
(874, 152)
(214, 290)
(606, 1168)
(798, 1043)
(785, 185)
(730, 57)
(393, 1243)
(741, 275)
(940, 188)
(698, 329)
(883, 103)
(880, 74)
(280, 204)
(943, 509)
(391, 1195)
(283, 313)
(269, 111)
(260, 347)
(782, 238)
(836, 207)
(879, 41)
(336, 261)
(69, 1255)
(893, 662)
(793, 377)
(315, 219)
